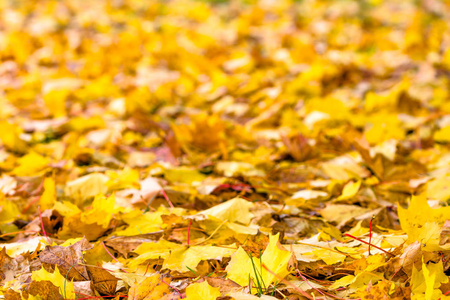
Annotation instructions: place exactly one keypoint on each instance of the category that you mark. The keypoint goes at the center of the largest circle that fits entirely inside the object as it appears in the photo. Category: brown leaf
(103, 281)
(12, 295)
(5, 260)
(411, 256)
(256, 244)
(51, 219)
(45, 290)
(298, 147)
(68, 259)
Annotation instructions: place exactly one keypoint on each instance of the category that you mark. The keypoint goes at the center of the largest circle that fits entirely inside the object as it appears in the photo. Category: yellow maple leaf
(272, 266)
(91, 223)
(382, 127)
(331, 106)
(236, 209)
(350, 190)
(31, 164)
(67, 209)
(55, 93)
(159, 249)
(101, 212)
(344, 281)
(10, 137)
(8, 210)
(329, 257)
(428, 235)
(14, 249)
(202, 291)
(183, 175)
(48, 198)
(87, 186)
(414, 221)
(437, 188)
(140, 223)
(425, 283)
(188, 258)
(178, 257)
(66, 288)
(126, 178)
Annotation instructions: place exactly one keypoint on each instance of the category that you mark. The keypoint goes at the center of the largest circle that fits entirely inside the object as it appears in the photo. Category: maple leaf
(275, 259)
(69, 259)
(102, 281)
(65, 287)
(202, 291)
(152, 288)
(178, 257)
(8, 210)
(48, 198)
(425, 283)
(233, 210)
(188, 258)
(30, 164)
(422, 223)
(10, 137)
(87, 186)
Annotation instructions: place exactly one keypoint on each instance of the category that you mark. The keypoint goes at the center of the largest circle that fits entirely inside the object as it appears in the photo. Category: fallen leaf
(87, 186)
(48, 198)
(64, 286)
(183, 260)
(68, 259)
(30, 164)
(275, 259)
(421, 222)
(202, 291)
(102, 280)
(10, 137)
(234, 210)
(8, 210)
(349, 190)
(425, 283)
(152, 288)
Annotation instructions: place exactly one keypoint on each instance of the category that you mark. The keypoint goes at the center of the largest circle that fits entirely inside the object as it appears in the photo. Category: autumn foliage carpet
(225, 150)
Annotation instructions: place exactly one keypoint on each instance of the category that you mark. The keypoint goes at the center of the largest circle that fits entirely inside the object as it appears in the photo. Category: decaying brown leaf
(102, 281)
(68, 259)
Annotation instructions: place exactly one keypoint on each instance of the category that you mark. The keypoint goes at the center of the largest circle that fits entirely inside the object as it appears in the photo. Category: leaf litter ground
(234, 150)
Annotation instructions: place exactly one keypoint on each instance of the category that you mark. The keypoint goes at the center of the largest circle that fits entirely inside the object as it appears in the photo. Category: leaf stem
(112, 256)
(305, 294)
(175, 289)
(323, 293)
(359, 240)
(167, 198)
(42, 225)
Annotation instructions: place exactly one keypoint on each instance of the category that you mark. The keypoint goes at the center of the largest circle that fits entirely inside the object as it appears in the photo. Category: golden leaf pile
(193, 149)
